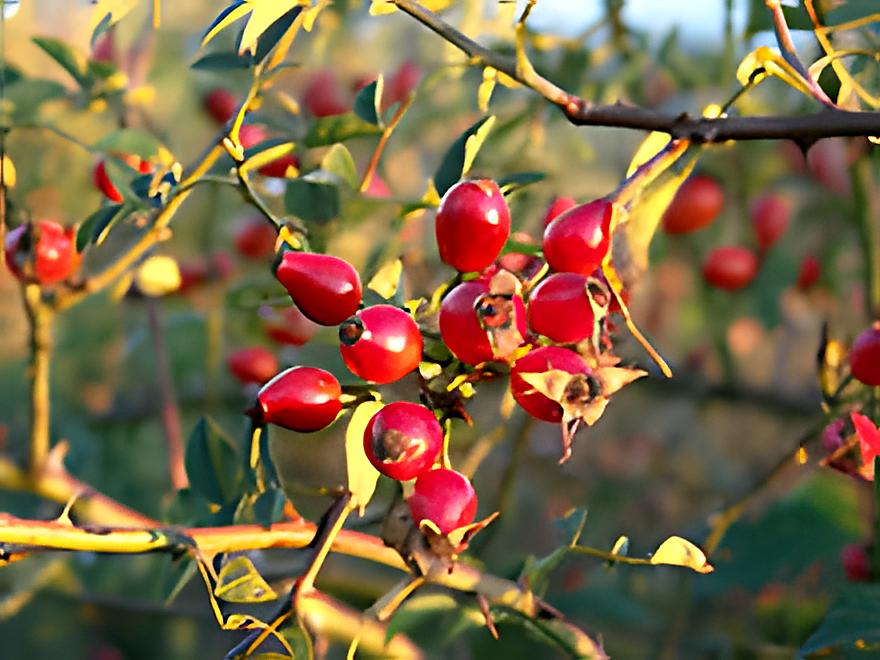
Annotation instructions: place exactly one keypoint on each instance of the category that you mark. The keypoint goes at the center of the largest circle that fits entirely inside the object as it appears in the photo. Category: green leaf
(368, 102)
(512, 182)
(175, 576)
(27, 95)
(240, 582)
(129, 141)
(270, 38)
(851, 624)
(422, 611)
(362, 476)
(313, 201)
(850, 11)
(460, 156)
(268, 507)
(72, 61)
(779, 270)
(223, 62)
(236, 10)
(212, 463)
(339, 161)
(97, 224)
(339, 128)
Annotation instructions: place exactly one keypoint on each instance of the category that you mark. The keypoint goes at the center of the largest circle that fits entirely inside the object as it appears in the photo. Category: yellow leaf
(431, 196)
(487, 86)
(240, 582)
(362, 476)
(676, 551)
(159, 275)
(650, 147)
(9, 175)
(385, 281)
(266, 156)
(382, 7)
(763, 62)
(242, 10)
(311, 15)
(620, 546)
(429, 370)
(474, 142)
(265, 12)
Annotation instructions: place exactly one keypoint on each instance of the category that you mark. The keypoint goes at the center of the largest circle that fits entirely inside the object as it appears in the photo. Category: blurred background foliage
(664, 457)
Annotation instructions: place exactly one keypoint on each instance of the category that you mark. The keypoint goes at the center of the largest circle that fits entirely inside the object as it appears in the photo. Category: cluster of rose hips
(544, 319)
(699, 201)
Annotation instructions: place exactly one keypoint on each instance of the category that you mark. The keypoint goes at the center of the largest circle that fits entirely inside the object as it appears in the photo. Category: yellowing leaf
(763, 62)
(487, 86)
(265, 12)
(240, 582)
(650, 147)
(474, 142)
(226, 18)
(116, 8)
(382, 7)
(266, 156)
(159, 275)
(362, 476)
(387, 279)
(431, 196)
(676, 551)
(311, 15)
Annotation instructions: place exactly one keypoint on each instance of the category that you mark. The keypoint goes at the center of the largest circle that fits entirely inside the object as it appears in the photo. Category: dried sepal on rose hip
(557, 385)
(443, 506)
(851, 445)
(403, 440)
(484, 319)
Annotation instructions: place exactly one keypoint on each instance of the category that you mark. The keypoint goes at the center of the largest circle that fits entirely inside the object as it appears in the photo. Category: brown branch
(40, 319)
(807, 127)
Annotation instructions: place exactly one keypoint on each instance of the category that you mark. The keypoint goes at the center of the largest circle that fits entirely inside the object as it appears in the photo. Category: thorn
(487, 614)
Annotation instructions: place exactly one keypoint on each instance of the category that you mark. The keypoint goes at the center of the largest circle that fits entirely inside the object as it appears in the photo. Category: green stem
(867, 210)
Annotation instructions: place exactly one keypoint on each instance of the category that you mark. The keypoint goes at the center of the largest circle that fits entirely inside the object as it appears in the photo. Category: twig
(167, 398)
(40, 319)
(581, 112)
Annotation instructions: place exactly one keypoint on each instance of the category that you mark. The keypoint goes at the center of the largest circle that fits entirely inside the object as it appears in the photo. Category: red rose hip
(326, 289)
(253, 365)
(102, 179)
(560, 309)
(301, 399)
(380, 344)
(856, 563)
(540, 361)
(730, 268)
(221, 104)
(403, 440)
(471, 318)
(557, 207)
(578, 240)
(473, 223)
(42, 251)
(445, 497)
(696, 204)
(864, 356)
(255, 239)
(770, 217)
(322, 97)
(809, 273)
(289, 326)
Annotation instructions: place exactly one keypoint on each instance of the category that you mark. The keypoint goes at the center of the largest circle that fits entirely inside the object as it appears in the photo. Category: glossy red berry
(469, 314)
(864, 356)
(44, 252)
(856, 563)
(730, 268)
(253, 365)
(323, 96)
(560, 309)
(403, 440)
(221, 104)
(326, 289)
(255, 239)
(445, 497)
(301, 399)
(517, 262)
(380, 344)
(557, 207)
(809, 272)
(473, 223)
(696, 204)
(102, 179)
(289, 326)
(540, 361)
(770, 217)
(578, 240)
